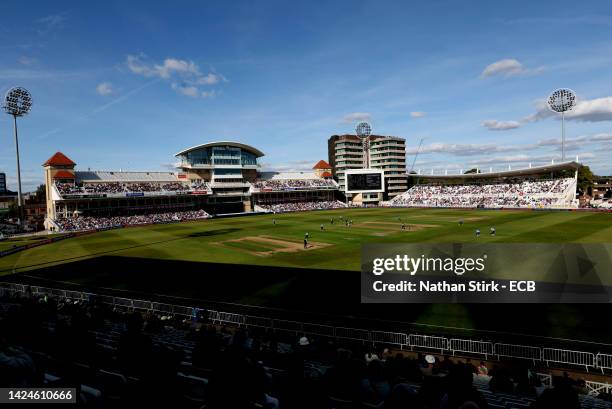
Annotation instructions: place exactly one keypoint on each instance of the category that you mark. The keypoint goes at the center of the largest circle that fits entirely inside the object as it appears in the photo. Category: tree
(585, 181)
(39, 196)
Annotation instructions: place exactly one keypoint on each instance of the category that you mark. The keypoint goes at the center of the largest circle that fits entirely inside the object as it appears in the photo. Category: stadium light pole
(562, 100)
(18, 102)
(363, 131)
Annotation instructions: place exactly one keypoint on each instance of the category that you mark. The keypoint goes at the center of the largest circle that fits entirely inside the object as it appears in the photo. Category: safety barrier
(545, 379)
(595, 388)
(428, 342)
(251, 321)
(518, 351)
(181, 310)
(142, 305)
(164, 308)
(227, 318)
(414, 341)
(470, 346)
(289, 326)
(391, 338)
(604, 361)
(353, 333)
(565, 356)
(317, 329)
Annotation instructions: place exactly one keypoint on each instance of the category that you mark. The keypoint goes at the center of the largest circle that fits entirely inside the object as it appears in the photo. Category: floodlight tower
(562, 100)
(363, 131)
(18, 102)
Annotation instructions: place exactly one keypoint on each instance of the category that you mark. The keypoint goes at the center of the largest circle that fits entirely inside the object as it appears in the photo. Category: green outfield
(251, 260)
(257, 240)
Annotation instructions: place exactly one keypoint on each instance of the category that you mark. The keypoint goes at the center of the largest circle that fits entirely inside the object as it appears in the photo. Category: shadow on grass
(208, 233)
(303, 294)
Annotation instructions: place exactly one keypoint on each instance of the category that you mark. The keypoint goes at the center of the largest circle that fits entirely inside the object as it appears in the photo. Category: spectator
(81, 223)
(303, 206)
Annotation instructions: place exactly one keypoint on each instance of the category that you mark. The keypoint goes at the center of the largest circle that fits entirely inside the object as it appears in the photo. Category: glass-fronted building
(226, 166)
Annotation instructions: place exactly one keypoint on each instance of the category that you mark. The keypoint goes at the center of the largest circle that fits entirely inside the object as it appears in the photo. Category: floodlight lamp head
(363, 130)
(17, 101)
(562, 100)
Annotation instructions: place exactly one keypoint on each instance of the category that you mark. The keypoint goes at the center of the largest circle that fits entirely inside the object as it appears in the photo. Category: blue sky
(126, 84)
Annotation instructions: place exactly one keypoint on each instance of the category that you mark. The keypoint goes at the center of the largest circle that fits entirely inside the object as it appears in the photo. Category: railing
(470, 346)
(565, 356)
(391, 338)
(518, 351)
(401, 340)
(546, 379)
(604, 361)
(427, 342)
(595, 388)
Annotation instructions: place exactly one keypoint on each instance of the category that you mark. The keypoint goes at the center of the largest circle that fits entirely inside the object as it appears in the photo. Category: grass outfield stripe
(180, 259)
(191, 241)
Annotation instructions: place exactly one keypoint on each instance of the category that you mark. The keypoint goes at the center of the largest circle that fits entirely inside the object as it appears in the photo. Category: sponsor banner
(134, 194)
(85, 196)
(486, 273)
(199, 192)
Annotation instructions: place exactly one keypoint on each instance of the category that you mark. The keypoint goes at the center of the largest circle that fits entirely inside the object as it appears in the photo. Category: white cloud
(602, 137)
(502, 159)
(508, 67)
(187, 71)
(173, 65)
(495, 125)
(188, 90)
(594, 110)
(417, 114)
(135, 65)
(542, 112)
(25, 60)
(105, 88)
(586, 155)
(51, 22)
(464, 149)
(209, 79)
(356, 117)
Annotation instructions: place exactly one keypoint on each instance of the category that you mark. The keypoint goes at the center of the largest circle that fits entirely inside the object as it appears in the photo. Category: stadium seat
(192, 387)
(112, 384)
(337, 403)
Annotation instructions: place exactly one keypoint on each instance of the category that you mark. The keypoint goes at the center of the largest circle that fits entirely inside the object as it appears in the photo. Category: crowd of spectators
(293, 184)
(143, 359)
(605, 204)
(303, 206)
(528, 194)
(132, 187)
(81, 223)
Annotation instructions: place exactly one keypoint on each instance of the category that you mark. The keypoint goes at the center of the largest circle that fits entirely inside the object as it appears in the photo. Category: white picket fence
(401, 340)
